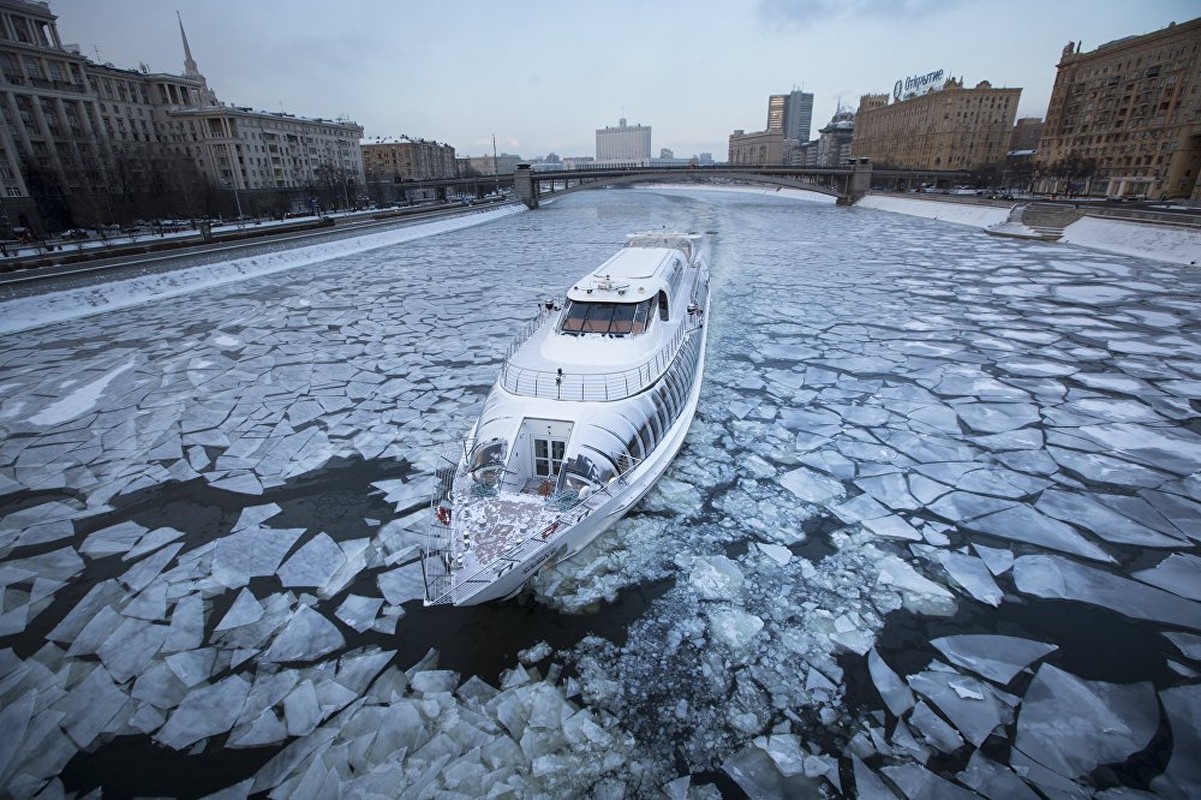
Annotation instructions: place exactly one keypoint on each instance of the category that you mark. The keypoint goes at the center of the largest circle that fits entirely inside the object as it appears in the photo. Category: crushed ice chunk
(251, 553)
(129, 649)
(756, 774)
(868, 785)
(402, 584)
(715, 577)
(112, 540)
(810, 486)
(920, 594)
(193, 666)
(733, 627)
(1187, 643)
(90, 707)
(776, 552)
(893, 527)
(1100, 520)
(535, 653)
(186, 630)
(301, 710)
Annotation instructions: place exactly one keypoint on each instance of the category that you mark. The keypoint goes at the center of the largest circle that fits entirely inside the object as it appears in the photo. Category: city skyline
(525, 73)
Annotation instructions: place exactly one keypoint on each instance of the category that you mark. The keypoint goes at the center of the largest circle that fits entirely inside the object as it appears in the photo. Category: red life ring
(444, 515)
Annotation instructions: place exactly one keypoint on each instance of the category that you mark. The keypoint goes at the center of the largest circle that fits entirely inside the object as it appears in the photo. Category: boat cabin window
(488, 458)
(582, 472)
(613, 319)
(663, 306)
(548, 456)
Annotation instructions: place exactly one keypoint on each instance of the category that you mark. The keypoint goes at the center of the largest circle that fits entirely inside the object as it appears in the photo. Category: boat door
(539, 452)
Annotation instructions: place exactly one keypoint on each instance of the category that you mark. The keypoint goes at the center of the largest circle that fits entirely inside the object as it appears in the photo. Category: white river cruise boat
(593, 402)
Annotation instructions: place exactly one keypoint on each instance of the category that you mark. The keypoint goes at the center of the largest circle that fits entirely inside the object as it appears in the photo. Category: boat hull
(570, 542)
(592, 405)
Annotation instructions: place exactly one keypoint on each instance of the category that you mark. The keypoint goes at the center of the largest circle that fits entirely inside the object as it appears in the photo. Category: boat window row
(611, 319)
(667, 400)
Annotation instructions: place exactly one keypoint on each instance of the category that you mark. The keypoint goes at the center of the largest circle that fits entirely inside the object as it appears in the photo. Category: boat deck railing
(591, 386)
(436, 552)
(440, 584)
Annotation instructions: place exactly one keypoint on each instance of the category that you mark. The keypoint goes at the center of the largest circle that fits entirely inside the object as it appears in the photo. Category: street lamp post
(237, 199)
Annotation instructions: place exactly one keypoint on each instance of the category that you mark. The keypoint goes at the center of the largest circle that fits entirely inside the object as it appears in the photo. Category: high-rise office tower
(791, 113)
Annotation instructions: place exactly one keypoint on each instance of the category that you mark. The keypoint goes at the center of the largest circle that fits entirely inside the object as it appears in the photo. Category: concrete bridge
(848, 183)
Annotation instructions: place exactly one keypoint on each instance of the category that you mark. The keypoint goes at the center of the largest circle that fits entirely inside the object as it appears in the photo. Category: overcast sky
(543, 75)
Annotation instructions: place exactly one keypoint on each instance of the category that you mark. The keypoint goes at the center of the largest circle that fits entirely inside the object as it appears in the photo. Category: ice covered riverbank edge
(1145, 240)
(33, 312)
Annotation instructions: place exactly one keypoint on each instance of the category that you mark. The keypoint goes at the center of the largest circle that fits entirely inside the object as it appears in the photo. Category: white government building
(625, 145)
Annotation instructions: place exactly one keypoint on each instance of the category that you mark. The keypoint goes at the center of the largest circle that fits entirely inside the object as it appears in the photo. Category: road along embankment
(1177, 244)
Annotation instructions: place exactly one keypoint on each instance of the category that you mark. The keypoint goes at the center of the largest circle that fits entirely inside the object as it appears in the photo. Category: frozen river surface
(934, 532)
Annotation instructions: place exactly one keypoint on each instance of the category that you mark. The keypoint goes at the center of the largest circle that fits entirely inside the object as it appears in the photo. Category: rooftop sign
(918, 84)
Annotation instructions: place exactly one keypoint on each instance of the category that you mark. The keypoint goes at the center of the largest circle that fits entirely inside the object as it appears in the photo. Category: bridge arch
(847, 184)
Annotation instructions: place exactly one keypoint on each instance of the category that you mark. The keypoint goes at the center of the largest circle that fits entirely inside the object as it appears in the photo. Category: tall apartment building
(399, 158)
(791, 113)
(950, 128)
(84, 143)
(1125, 119)
(628, 145)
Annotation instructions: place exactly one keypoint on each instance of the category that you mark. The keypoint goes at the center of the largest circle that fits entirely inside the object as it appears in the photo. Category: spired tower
(207, 97)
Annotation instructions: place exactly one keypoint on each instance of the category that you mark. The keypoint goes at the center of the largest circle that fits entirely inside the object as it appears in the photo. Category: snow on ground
(978, 216)
(1174, 244)
(934, 477)
(1162, 242)
(26, 313)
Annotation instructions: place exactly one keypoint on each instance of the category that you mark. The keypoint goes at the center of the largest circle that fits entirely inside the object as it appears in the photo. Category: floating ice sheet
(810, 486)
(1055, 577)
(1182, 777)
(205, 712)
(1072, 726)
(895, 693)
(1179, 573)
(998, 658)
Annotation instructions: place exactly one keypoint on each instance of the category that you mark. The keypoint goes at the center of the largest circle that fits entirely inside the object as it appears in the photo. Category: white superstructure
(592, 403)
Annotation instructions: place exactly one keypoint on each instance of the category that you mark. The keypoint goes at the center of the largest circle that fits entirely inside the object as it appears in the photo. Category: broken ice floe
(1072, 726)
(993, 656)
(998, 417)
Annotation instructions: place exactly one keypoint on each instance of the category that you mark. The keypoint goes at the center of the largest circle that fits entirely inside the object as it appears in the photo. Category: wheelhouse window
(612, 319)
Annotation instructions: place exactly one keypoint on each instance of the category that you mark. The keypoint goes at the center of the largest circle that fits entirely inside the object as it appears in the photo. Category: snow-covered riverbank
(1176, 245)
